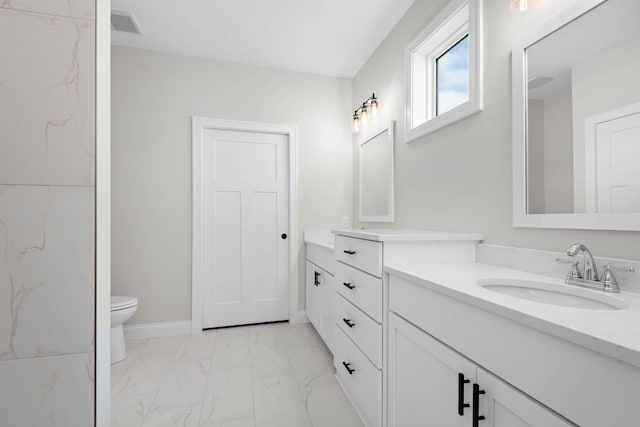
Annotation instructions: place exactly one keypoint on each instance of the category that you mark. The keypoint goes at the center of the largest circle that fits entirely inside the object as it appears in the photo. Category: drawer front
(364, 384)
(365, 255)
(362, 289)
(322, 257)
(363, 330)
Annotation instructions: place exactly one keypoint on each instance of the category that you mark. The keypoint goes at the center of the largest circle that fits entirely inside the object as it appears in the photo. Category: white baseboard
(299, 317)
(171, 329)
(156, 330)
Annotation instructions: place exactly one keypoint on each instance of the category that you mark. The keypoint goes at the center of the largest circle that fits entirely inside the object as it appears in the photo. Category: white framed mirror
(376, 174)
(576, 119)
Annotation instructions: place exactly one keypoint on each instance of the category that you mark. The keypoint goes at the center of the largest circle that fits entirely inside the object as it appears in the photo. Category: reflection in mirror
(583, 114)
(376, 175)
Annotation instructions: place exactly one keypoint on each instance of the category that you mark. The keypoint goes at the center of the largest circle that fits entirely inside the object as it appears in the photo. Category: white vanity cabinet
(431, 384)
(362, 302)
(357, 355)
(531, 372)
(320, 291)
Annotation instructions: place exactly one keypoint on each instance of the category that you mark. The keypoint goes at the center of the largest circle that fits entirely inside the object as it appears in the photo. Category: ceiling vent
(124, 21)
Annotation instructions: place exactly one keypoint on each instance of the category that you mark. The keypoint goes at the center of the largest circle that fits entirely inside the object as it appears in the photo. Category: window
(443, 70)
(452, 81)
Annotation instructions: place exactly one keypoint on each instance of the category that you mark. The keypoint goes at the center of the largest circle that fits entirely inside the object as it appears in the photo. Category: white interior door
(618, 170)
(245, 208)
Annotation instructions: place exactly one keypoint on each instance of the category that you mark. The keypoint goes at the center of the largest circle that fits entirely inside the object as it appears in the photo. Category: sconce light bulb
(374, 108)
(356, 123)
(523, 5)
(364, 114)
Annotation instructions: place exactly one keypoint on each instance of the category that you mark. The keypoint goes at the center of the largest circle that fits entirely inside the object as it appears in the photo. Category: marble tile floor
(272, 375)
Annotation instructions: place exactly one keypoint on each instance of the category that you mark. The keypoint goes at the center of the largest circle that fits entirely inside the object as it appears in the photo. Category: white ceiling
(330, 37)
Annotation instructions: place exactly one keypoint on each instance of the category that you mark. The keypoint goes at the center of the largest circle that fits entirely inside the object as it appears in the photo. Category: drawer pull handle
(350, 252)
(349, 285)
(316, 280)
(461, 405)
(349, 370)
(476, 405)
(351, 325)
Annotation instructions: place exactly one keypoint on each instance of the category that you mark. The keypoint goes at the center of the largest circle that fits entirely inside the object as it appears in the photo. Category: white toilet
(122, 308)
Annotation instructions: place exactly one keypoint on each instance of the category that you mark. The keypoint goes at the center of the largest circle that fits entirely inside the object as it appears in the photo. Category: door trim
(198, 126)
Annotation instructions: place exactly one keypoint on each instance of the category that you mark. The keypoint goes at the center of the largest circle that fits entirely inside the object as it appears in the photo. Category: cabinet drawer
(364, 332)
(365, 255)
(322, 257)
(364, 384)
(362, 289)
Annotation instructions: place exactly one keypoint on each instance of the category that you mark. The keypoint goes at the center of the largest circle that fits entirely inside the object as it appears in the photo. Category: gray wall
(47, 187)
(535, 156)
(154, 96)
(558, 154)
(460, 178)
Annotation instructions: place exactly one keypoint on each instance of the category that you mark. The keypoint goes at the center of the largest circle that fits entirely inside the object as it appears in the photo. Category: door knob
(283, 236)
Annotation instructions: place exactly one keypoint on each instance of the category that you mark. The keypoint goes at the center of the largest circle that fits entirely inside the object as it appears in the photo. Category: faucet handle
(575, 272)
(609, 282)
(625, 269)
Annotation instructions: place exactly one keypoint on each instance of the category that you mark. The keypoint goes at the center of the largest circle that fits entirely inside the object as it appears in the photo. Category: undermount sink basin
(555, 294)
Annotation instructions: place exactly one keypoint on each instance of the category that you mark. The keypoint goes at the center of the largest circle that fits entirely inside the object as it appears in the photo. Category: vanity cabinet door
(314, 294)
(328, 321)
(424, 384)
(504, 406)
(320, 288)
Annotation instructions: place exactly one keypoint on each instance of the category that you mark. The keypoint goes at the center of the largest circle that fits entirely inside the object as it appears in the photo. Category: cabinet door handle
(316, 278)
(349, 285)
(461, 405)
(349, 252)
(351, 325)
(476, 405)
(346, 366)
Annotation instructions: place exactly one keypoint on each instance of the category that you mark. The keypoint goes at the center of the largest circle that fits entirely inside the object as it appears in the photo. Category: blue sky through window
(453, 77)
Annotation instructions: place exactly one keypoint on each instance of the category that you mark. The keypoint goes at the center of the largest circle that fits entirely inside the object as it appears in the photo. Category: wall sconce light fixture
(368, 110)
(521, 5)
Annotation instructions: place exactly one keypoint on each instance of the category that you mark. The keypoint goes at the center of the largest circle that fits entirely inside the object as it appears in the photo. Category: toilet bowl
(122, 308)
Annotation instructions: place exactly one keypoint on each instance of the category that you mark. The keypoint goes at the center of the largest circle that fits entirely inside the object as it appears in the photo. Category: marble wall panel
(46, 271)
(83, 9)
(47, 84)
(47, 391)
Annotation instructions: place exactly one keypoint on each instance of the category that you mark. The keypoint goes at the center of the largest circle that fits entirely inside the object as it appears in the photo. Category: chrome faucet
(590, 270)
(588, 276)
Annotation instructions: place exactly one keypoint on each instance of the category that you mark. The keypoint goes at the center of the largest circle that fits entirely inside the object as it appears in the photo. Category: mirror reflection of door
(586, 68)
(611, 157)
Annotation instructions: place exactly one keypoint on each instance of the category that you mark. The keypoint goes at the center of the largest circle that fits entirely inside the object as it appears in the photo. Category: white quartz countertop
(615, 333)
(323, 238)
(405, 235)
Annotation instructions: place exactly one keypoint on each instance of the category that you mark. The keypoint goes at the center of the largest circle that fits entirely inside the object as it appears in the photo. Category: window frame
(440, 35)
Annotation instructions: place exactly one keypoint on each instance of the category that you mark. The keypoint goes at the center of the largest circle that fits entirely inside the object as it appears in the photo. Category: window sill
(461, 112)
